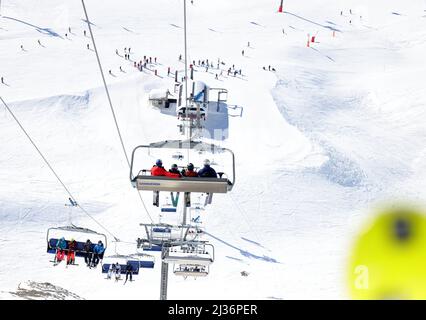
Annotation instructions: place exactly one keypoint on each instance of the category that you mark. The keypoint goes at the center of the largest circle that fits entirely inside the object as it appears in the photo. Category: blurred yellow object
(389, 257)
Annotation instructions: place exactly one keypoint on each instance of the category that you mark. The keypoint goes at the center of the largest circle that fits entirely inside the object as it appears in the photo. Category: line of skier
(115, 270)
(206, 172)
(92, 253)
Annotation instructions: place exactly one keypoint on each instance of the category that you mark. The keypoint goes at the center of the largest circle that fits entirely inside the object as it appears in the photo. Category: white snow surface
(338, 128)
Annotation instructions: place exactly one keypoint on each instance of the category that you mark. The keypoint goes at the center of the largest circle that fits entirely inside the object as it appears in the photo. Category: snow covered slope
(337, 128)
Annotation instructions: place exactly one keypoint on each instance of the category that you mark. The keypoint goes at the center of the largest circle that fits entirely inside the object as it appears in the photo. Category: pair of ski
(55, 263)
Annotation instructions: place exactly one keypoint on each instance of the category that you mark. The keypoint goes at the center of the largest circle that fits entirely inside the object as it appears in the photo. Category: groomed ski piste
(338, 128)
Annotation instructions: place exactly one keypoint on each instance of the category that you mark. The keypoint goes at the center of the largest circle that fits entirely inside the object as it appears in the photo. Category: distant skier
(248, 44)
(39, 42)
(110, 72)
(69, 29)
(2, 80)
(180, 57)
(22, 47)
(88, 47)
(116, 52)
(242, 52)
(122, 69)
(216, 77)
(168, 71)
(269, 68)
(84, 32)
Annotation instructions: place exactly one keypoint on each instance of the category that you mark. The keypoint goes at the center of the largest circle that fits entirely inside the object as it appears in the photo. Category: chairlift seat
(183, 184)
(79, 248)
(134, 263)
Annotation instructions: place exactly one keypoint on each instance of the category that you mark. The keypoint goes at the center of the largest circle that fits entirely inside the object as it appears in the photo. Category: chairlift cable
(110, 102)
(53, 170)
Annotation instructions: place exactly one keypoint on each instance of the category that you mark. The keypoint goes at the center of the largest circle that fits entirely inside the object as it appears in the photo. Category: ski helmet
(207, 162)
(174, 166)
(159, 163)
(190, 166)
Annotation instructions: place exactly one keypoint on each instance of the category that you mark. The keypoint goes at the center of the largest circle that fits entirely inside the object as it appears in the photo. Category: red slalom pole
(280, 9)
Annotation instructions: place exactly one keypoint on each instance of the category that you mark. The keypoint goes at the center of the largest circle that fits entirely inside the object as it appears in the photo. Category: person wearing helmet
(174, 169)
(189, 171)
(207, 171)
(71, 251)
(61, 245)
(158, 170)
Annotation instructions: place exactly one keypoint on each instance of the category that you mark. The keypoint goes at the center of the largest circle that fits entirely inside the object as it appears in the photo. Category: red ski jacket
(160, 171)
(189, 173)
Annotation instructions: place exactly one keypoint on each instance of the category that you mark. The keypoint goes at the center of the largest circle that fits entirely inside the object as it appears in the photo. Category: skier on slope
(207, 171)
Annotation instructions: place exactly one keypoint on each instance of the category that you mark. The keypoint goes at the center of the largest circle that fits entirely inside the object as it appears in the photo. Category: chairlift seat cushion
(183, 184)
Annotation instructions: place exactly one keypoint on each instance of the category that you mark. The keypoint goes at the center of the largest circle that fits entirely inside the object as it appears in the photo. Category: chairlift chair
(144, 182)
(122, 260)
(80, 235)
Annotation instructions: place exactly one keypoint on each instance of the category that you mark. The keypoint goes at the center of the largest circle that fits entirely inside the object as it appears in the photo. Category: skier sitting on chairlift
(71, 251)
(61, 245)
(87, 248)
(129, 271)
(98, 250)
(116, 269)
(174, 169)
(158, 170)
(189, 171)
(207, 171)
